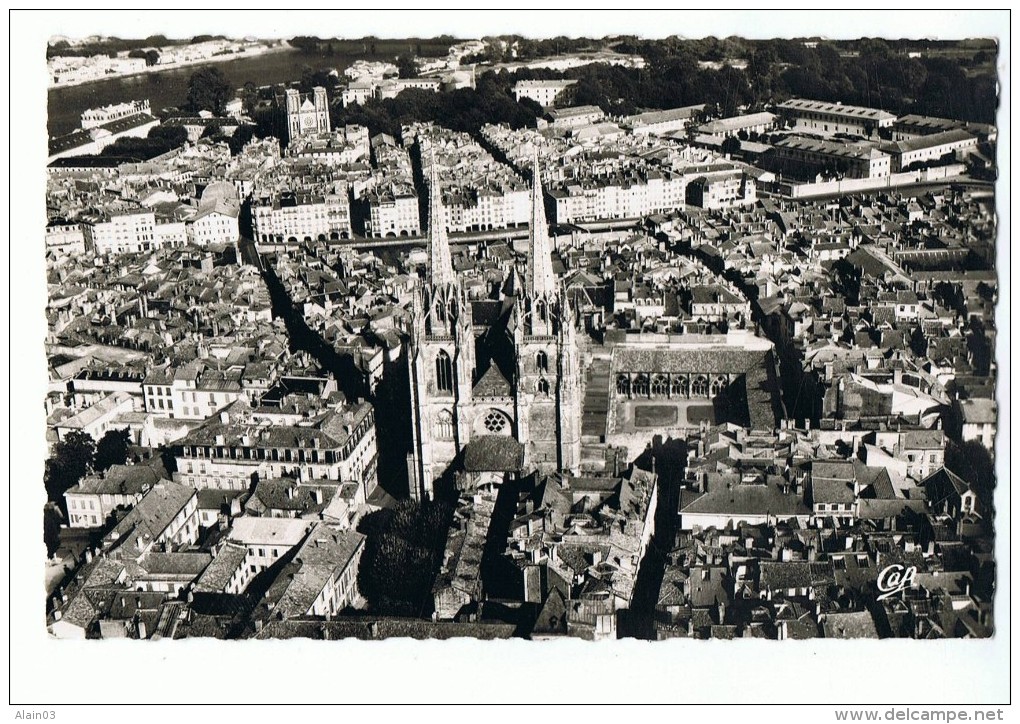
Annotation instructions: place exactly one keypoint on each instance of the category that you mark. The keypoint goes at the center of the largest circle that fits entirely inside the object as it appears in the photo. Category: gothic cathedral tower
(441, 356)
(308, 115)
(548, 390)
(541, 405)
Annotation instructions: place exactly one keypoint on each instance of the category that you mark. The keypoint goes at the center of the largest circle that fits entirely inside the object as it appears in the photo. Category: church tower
(306, 115)
(548, 369)
(441, 356)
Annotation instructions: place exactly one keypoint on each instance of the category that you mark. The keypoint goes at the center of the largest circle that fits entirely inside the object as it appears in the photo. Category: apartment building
(831, 118)
(292, 217)
(232, 447)
(806, 157)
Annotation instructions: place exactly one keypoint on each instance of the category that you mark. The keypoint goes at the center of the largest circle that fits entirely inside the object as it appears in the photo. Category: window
(641, 385)
(540, 310)
(543, 386)
(542, 362)
(660, 386)
(699, 388)
(495, 422)
(444, 372)
(444, 425)
(623, 385)
(679, 385)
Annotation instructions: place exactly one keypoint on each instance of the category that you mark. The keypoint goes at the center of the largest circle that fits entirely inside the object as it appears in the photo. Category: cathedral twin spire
(440, 263)
(540, 280)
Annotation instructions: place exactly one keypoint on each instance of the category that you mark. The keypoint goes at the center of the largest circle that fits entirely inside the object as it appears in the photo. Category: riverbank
(149, 70)
(168, 87)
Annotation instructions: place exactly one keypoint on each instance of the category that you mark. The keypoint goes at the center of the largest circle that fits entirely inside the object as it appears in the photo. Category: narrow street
(390, 400)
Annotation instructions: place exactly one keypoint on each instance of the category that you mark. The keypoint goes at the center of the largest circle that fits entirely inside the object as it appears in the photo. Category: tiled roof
(493, 453)
(175, 564)
(370, 628)
(931, 141)
(119, 480)
(740, 499)
(219, 572)
(711, 359)
(325, 554)
(783, 575)
(853, 625)
(286, 494)
(152, 515)
(285, 532)
(492, 384)
(838, 109)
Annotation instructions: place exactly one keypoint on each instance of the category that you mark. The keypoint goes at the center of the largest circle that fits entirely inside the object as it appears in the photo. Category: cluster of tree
(73, 457)
(77, 454)
(510, 48)
(208, 90)
(151, 56)
(206, 38)
(321, 77)
(465, 109)
(114, 46)
(161, 139)
(407, 66)
(373, 47)
(402, 556)
(109, 46)
(972, 462)
(867, 72)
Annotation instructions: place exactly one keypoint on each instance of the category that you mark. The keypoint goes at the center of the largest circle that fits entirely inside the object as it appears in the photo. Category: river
(170, 87)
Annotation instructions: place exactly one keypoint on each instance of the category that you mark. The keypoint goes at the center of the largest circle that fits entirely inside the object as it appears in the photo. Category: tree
(249, 97)
(972, 462)
(918, 342)
(407, 66)
(731, 145)
(151, 56)
(208, 90)
(402, 556)
(112, 449)
(52, 518)
(72, 458)
(160, 140)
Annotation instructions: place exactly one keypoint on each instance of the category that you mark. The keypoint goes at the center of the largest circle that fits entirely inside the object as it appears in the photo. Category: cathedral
(309, 115)
(489, 369)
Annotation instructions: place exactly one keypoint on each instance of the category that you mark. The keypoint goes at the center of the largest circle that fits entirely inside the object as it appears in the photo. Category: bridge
(456, 238)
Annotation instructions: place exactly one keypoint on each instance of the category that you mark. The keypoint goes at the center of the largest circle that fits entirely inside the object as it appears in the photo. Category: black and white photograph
(362, 337)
